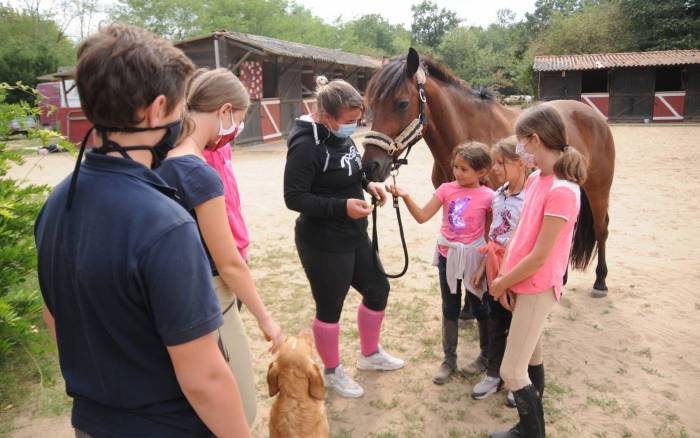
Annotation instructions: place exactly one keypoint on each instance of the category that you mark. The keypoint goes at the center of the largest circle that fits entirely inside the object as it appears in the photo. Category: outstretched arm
(420, 214)
(213, 224)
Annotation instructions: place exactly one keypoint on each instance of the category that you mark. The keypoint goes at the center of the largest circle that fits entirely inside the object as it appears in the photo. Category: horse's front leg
(439, 176)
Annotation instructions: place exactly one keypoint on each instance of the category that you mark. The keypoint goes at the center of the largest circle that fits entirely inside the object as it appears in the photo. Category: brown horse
(409, 97)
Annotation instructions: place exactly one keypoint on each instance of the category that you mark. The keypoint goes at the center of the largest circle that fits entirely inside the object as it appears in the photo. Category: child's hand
(358, 208)
(507, 300)
(272, 333)
(477, 278)
(396, 191)
(497, 289)
(377, 192)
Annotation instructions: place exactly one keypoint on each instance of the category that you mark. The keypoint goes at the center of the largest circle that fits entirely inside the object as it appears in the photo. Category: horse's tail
(584, 244)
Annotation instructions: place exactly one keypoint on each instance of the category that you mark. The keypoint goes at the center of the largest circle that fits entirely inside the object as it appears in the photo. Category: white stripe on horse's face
(294, 343)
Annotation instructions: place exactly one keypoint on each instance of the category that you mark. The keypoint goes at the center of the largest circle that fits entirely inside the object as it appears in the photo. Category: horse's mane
(387, 80)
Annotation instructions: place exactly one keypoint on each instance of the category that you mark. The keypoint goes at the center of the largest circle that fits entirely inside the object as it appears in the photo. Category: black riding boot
(466, 313)
(484, 337)
(536, 373)
(450, 338)
(531, 414)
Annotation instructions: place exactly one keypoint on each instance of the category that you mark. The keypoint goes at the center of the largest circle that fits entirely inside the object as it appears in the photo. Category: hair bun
(321, 81)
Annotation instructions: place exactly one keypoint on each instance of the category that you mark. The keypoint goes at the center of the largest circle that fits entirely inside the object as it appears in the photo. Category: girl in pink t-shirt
(220, 159)
(466, 217)
(531, 278)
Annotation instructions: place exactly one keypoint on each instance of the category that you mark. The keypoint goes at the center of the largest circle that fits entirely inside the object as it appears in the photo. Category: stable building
(279, 75)
(659, 86)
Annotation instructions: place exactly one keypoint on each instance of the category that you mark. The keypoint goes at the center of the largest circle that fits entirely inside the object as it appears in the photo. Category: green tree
(545, 10)
(20, 303)
(669, 24)
(178, 19)
(374, 35)
(593, 29)
(30, 45)
(430, 24)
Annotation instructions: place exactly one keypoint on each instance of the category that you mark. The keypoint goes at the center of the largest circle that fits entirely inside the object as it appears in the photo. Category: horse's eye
(402, 106)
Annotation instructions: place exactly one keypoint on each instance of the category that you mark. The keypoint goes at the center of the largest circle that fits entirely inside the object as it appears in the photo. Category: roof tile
(611, 60)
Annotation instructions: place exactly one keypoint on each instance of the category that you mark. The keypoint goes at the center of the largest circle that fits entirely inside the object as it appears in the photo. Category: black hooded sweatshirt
(322, 172)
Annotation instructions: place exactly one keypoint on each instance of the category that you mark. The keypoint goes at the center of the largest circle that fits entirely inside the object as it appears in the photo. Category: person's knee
(328, 315)
(449, 312)
(376, 300)
(508, 375)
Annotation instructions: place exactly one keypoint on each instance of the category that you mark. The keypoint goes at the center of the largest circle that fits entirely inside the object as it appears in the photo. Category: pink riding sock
(326, 337)
(369, 324)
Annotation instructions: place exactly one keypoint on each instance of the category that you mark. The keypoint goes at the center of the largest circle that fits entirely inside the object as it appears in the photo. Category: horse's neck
(455, 116)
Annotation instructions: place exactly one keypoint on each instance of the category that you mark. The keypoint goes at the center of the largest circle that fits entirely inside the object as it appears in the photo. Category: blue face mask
(345, 131)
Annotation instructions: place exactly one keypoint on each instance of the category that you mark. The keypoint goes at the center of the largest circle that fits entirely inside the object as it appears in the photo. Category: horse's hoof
(599, 293)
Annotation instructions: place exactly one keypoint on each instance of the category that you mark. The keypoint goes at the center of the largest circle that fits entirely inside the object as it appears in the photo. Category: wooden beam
(246, 47)
(240, 61)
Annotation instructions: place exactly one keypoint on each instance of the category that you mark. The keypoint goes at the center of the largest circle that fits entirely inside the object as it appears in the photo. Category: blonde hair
(506, 148)
(208, 90)
(334, 96)
(546, 122)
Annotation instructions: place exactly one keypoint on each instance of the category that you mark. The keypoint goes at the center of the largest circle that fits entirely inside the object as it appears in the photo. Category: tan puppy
(299, 410)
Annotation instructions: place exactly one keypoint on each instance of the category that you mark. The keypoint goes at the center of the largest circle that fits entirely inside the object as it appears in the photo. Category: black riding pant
(332, 273)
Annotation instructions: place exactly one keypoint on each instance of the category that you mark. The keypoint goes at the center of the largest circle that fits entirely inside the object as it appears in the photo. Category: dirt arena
(623, 366)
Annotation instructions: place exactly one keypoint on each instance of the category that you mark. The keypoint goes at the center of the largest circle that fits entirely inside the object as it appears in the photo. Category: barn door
(631, 94)
(560, 85)
(692, 93)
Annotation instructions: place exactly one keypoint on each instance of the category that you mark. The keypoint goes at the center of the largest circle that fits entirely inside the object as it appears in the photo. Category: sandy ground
(622, 366)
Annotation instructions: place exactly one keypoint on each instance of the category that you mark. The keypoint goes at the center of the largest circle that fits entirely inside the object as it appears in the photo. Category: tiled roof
(289, 49)
(610, 60)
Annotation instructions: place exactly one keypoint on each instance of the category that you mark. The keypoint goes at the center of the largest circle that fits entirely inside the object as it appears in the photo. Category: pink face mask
(227, 135)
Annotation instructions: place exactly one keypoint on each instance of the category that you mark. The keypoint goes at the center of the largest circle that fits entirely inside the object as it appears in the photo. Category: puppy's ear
(317, 389)
(272, 373)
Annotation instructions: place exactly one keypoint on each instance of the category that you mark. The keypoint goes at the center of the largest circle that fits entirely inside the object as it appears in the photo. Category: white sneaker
(510, 400)
(381, 360)
(342, 383)
(488, 386)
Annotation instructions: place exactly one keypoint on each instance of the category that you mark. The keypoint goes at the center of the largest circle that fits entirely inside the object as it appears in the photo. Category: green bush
(20, 202)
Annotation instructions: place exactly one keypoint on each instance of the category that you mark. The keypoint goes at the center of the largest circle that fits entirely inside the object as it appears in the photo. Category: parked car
(22, 126)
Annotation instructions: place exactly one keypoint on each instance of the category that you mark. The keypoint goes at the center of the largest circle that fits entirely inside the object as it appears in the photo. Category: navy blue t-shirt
(196, 182)
(124, 275)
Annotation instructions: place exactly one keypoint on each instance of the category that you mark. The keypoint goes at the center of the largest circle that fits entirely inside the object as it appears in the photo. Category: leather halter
(411, 133)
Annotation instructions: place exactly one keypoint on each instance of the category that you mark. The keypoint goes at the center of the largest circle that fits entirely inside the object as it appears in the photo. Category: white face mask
(227, 131)
(527, 157)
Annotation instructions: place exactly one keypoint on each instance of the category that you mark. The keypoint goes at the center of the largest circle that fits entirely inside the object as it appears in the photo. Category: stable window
(308, 81)
(361, 82)
(269, 80)
(594, 81)
(669, 79)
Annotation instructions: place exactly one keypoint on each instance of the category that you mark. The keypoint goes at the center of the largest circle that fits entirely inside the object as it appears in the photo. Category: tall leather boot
(536, 373)
(449, 347)
(531, 414)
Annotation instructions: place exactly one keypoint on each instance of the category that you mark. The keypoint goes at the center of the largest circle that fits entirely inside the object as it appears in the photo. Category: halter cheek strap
(411, 133)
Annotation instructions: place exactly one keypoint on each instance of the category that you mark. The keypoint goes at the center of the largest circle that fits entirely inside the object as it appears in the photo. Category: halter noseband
(410, 135)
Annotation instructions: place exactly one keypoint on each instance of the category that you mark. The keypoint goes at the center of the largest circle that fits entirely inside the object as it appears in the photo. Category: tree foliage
(593, 29)
(20, 303)
(669, 24)
(30, 45)
(430, 23)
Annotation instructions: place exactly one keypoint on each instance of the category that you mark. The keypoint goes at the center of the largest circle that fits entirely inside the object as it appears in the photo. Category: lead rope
(397, 162)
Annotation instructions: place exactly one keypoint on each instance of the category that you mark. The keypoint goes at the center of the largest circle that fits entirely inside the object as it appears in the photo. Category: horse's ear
(412, 62)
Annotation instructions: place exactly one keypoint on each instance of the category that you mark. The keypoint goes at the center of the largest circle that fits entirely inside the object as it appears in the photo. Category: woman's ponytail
(546, 122)
(571, 166)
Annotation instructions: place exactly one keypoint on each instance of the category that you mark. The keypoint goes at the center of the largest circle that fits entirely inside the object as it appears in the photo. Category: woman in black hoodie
(324, 182)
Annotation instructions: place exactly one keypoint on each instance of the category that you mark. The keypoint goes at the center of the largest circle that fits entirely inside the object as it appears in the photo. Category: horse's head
(397, 102)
